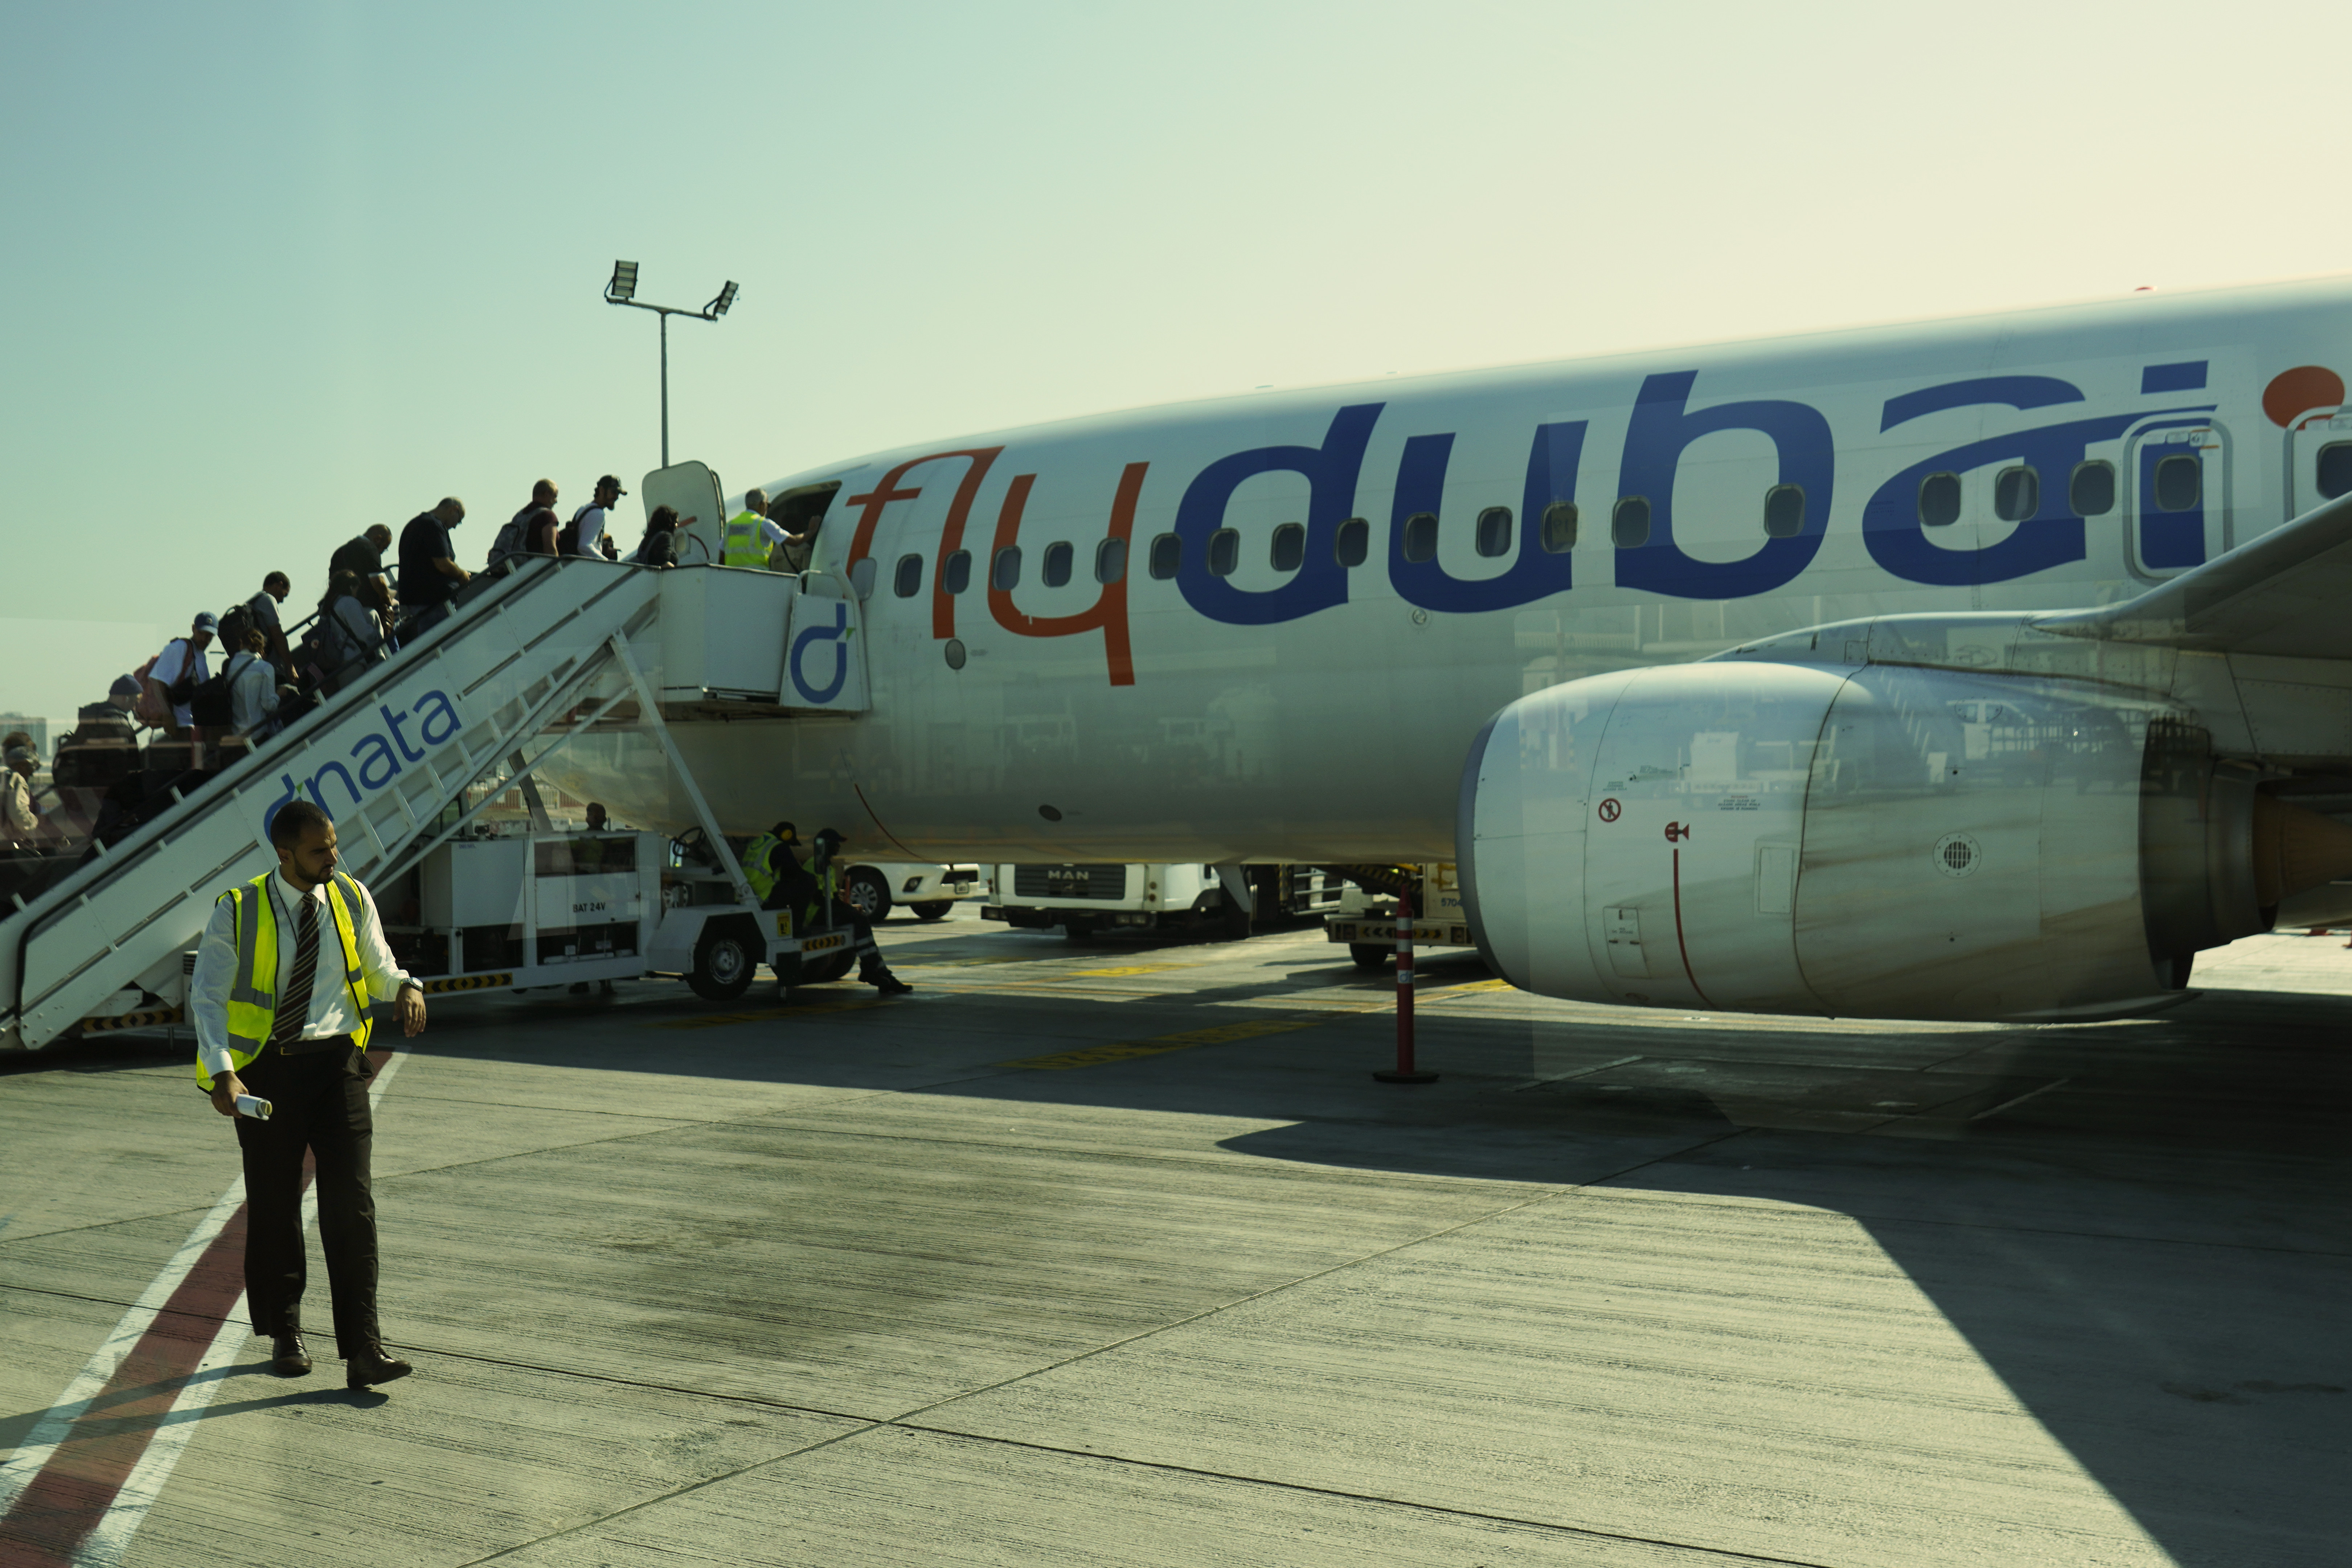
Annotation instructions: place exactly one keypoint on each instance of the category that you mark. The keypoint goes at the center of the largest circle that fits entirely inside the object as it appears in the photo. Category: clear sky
(277, 272)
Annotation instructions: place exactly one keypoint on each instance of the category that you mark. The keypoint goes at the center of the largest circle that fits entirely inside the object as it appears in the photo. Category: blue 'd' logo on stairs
(835, 634)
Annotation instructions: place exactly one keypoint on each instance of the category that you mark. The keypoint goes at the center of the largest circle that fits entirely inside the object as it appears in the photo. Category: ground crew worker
(821, 884)
(759, 862)
(283, 977)
(746, 538)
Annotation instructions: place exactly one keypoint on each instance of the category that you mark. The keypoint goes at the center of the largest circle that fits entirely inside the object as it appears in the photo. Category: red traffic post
(1404, 1071)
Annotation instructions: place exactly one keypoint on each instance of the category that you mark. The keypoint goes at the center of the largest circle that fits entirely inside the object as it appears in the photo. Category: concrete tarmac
(1117, 1255)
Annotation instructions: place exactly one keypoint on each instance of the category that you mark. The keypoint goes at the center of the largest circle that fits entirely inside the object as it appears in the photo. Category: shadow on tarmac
(2141, 1227)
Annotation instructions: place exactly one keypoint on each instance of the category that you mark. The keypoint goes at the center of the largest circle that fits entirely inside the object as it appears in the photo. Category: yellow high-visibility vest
(742, 542)
(253, 994)
(756, 869)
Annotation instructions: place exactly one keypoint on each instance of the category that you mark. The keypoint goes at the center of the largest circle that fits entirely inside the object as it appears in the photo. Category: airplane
(1976, 668)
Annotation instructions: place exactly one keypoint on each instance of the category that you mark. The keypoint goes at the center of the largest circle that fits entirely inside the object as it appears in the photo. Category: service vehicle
(1366, 917)
(1087, 901)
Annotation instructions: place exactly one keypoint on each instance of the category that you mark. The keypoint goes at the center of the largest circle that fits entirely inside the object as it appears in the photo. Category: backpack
(567, 538)
(234, 624)
(210, 705)
(507, 545)
(149, 709)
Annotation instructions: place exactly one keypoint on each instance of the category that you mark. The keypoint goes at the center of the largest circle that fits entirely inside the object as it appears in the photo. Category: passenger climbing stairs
(526, 663)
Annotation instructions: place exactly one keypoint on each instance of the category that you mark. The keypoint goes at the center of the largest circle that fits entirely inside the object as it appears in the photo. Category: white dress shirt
(330, 999)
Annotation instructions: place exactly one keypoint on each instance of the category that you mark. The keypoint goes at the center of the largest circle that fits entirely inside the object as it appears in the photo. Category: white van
(874, 888)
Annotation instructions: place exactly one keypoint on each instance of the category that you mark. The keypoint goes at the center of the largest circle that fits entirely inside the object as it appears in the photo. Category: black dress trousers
(320, 1107)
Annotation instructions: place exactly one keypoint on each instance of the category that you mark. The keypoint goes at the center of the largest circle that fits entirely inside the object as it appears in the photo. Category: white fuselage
(1270, 700)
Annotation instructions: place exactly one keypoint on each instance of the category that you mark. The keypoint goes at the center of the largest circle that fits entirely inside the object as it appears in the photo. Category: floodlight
(622, 290)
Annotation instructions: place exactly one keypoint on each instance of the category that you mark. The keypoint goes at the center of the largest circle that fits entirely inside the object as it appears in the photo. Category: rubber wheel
(937, 910)
(1370, 956)
(724, 959)
(1079, 928)
(868, 894)
(825, 970)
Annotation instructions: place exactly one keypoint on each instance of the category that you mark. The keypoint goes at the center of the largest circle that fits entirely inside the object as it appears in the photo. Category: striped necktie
(294, 1002)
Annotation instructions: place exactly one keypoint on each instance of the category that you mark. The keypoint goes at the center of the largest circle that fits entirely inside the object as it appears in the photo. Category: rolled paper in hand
(253, 1105)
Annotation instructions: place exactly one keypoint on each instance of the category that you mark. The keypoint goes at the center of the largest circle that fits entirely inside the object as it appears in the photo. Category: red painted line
(65, 1502)
(1679, 942)
(58, 1508)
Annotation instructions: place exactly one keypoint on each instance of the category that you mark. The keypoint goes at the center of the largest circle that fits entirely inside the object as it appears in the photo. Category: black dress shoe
(372, 1365)
(288, 1356)
(888, 983)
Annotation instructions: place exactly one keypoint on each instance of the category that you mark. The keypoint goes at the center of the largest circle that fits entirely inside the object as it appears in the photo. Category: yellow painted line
(1131, 969)
(1440, 993)
(1123, 1050)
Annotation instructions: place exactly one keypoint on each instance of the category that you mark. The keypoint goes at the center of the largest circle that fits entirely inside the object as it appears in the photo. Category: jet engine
(1884, 841)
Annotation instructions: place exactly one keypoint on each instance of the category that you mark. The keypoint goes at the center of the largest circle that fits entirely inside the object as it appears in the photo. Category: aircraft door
(2178, 498)
(2320, 459)
(694, 491)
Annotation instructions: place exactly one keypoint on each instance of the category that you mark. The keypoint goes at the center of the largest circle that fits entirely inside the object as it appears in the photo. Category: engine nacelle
(1884, 841)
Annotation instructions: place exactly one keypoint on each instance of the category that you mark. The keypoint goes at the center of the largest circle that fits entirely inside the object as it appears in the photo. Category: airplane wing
(2288, 592)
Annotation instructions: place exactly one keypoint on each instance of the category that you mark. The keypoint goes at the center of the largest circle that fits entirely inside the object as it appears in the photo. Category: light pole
(622, 290)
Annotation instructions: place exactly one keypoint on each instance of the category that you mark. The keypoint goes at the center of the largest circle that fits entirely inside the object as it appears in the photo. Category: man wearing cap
(103, 746)
(589, 523)
(813, 892)
(286, 975)
(173, 680)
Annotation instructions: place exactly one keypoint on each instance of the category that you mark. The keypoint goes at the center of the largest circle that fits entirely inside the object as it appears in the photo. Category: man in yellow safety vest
(759, 859)
(746, 539)
(282, 1030)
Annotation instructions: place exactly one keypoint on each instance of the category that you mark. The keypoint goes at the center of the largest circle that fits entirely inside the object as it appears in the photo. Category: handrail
(512, 586)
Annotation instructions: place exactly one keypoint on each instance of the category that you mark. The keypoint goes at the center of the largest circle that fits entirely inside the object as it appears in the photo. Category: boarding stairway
(524, 664)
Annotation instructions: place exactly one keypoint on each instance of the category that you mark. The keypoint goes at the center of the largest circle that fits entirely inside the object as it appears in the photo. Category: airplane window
(1004, 572)
(1495, 531)
(2335, 470)
(1059, 556)
(1784, 511)
(1421, 536)
(2016, 494)
(908, 578)
(955, 571)
(1559, 527)
(1224, 551)
(2180, 480)
(1167, 553)
(1629, 524)
(1940, 500)
(1353, 544)
(1110, 561)
(1289, 546)
(2091, 492)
